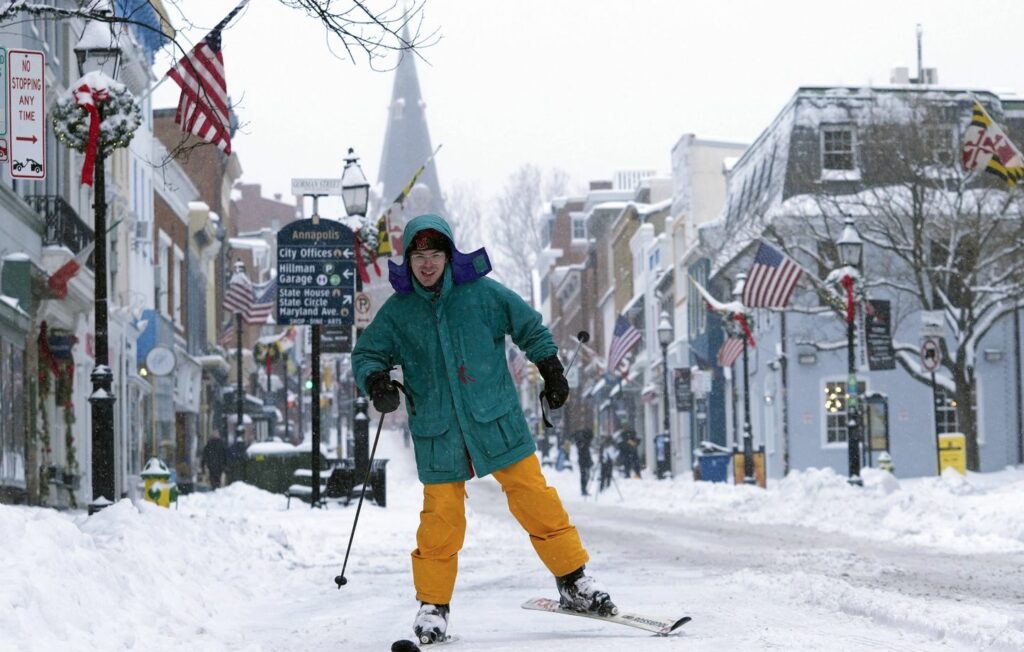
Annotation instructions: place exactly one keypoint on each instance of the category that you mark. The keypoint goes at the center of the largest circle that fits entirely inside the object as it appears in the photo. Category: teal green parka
(451, 348)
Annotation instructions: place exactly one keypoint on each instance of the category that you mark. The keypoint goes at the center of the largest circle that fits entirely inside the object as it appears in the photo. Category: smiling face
(427, 265)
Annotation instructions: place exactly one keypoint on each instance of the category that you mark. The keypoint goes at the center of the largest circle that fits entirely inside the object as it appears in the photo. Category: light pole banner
(878, 329)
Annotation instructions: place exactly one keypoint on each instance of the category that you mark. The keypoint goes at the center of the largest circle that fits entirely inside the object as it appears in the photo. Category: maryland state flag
(986, 145)
(383, 237)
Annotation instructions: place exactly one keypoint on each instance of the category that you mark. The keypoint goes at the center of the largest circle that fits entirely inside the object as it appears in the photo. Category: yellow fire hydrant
(157, 487)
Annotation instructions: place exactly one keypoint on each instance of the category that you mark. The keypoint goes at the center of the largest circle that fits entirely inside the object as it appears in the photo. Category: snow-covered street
(810, 564)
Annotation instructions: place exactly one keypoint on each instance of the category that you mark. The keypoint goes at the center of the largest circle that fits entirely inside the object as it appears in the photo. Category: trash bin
(714, 467)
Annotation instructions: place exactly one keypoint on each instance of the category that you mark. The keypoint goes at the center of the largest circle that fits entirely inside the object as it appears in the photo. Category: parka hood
(465, 267)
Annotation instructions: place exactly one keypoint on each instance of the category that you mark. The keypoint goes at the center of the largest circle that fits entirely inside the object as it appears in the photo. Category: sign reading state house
(316, 273)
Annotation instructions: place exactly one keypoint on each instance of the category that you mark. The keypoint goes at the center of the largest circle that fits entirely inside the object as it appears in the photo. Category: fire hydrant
(157, 487)
(885, 462)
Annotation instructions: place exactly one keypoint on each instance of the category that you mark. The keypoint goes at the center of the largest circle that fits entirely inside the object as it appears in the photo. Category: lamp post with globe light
(851, 248)
(355, 194)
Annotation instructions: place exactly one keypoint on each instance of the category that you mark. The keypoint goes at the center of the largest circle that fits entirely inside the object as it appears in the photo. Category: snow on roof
(17, 256)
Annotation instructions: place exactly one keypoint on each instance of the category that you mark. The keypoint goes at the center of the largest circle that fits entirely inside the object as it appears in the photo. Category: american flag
(731, 349)
(517, 366)
(624, 338)
(238, 297)
(771, 280)
(227, 333)
(263, 305)
(203, 106)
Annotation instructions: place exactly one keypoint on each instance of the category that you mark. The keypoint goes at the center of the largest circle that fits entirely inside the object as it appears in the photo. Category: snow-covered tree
(352, 26)
(936, 238)
(515, 226)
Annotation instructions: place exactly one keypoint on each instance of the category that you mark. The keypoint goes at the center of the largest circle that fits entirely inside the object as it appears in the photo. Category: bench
(340, 483)
(302, 487)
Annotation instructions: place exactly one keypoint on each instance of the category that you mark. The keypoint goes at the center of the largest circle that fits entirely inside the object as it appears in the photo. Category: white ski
(654, 624)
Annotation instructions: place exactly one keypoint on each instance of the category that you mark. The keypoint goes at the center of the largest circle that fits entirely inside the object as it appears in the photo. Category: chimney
(277, 196)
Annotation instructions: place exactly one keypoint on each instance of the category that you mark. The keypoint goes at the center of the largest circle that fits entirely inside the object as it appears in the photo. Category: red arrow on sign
(32, 140)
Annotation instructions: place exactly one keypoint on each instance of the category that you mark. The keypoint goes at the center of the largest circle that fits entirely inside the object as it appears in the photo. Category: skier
(446, 326)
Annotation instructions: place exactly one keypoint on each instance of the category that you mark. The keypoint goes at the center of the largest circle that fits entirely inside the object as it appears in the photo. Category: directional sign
(931, 354)
(316, 186)
(26, 114)
(316, 273)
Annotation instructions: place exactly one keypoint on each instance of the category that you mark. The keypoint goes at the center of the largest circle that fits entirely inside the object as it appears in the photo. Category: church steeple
(407, 145)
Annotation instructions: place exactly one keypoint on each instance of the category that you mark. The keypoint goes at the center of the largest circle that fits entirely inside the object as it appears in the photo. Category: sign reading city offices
(316, 273)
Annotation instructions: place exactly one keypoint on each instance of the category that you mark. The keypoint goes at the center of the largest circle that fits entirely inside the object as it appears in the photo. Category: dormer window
(837, 149)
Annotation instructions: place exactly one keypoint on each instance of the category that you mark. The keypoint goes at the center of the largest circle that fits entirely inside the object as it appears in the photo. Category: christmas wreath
(96, 112)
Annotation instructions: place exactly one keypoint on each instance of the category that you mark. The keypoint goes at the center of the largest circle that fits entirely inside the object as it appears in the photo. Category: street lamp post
(355, 194)
(664, 338)
(98, 50)
(748, 435)
(851, 248)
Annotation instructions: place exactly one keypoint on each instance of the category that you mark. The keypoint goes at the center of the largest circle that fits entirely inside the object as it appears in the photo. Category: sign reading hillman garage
(316, 273)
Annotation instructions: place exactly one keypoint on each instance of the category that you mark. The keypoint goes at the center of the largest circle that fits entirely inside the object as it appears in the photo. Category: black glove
(383, 392)
(556, 387)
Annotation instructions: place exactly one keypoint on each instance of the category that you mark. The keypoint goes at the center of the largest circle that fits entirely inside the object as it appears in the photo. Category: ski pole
(340, 579)
(582, 337)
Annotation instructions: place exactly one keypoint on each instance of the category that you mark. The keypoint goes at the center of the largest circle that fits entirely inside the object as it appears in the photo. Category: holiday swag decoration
(95, 115)
(52, 368)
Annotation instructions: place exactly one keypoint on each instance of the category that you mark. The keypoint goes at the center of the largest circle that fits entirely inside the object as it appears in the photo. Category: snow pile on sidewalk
(977, 513)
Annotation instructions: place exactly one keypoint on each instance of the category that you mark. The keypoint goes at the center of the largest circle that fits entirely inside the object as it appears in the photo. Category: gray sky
(588, 86)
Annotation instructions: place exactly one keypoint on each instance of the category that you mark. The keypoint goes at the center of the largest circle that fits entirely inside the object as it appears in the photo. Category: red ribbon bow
(847, 282)
(742, 319)
(90, 98)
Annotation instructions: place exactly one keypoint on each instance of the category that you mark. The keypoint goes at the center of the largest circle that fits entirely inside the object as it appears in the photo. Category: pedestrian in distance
(445, 326)
(236, 460)
(584, 438)
(215, 458)
(630, 452)
(608, 455)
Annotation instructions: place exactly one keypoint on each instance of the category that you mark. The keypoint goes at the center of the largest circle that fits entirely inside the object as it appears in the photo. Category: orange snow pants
(536, 506)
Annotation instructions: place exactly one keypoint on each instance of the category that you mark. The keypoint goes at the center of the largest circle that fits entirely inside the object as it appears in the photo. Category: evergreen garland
(43, 433)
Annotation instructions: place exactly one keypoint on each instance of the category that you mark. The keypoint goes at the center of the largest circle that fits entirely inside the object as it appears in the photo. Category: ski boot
(431, 623)
(582, 593)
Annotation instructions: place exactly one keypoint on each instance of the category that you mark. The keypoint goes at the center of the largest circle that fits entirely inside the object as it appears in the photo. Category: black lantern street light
(98, 50)
(851, 249)
(663, 446)
(748, 435)
(355, 194)
(665, 335)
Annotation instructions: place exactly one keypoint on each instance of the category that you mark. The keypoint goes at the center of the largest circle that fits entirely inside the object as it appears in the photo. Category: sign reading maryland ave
(316, 273)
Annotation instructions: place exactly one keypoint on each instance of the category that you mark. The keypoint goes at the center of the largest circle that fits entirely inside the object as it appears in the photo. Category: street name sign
(316, 273)
(316, 186)
(26, 114)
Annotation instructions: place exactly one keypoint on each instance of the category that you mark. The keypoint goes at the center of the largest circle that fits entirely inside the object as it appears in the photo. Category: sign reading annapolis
(316, 273)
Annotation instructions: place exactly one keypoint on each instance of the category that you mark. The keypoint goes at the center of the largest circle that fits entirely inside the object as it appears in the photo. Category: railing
(63, 226)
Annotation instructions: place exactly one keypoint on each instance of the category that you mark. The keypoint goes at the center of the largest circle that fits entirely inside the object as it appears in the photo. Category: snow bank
(972, 514)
